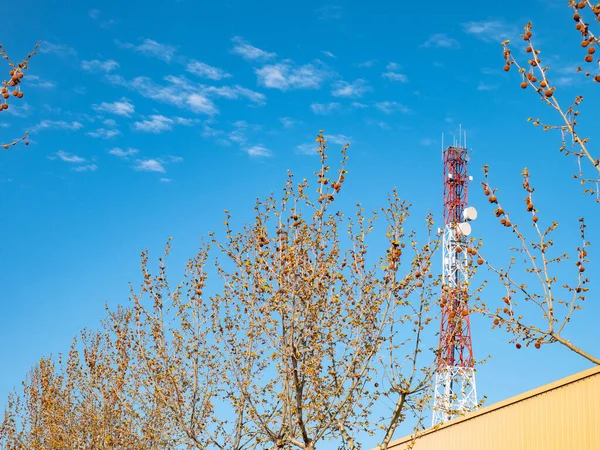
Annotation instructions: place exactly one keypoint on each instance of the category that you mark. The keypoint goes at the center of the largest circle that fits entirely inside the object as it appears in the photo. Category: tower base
(455, 393)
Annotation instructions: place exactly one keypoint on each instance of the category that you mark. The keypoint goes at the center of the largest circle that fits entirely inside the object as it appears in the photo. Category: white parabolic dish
(464, 228)
(470, 213)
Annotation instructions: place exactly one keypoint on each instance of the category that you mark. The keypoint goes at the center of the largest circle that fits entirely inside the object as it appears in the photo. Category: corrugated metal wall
(564, 415)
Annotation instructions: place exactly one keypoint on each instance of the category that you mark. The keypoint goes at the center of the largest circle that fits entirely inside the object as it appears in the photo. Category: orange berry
(584, 43)
(528, 49)
(581, 5)
(543, 83)
(548, 93)
(20, 95)
(506, 68)
(492, 199)
(591, 50)
(5, 95)
(537, 345)
(576, 17)
(5, 106)
(533, 79)
(534, 218)
(597, 78)
(20, 75)
(518, 346)
(496, 321)
(15, 92)
(581, 268)
(507, 223)
(6, 146)
(524, 85)
(26, 142)
(480, 261)
(578, 26)
(589, 58)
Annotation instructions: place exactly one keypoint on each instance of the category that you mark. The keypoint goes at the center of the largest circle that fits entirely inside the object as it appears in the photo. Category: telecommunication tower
(455, 390)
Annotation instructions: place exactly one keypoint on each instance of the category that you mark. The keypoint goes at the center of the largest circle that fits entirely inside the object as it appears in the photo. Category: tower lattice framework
(455, 389)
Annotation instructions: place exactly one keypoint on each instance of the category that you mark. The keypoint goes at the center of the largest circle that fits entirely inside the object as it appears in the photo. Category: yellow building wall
(564, 415)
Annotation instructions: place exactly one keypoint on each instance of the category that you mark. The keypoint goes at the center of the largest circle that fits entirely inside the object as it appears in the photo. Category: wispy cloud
(329, 12)
(120, 108)
(57, 125)
(86, 168)
(394, 76)
(103, 133)
(490, 30)
(427, 142)
(58, 49)
(183, 93)
(156, 124)
(69, 157)
(149, 165)
(204, 70)
(340, 139)
(249, 52)
(328, 53)
(285, 76)
(152, 48)
(119, 152)
(95, 65)
(35, 81)
(441, 40)
(392, 107)
(165, 180)
(258, 151)
(486, 87)
(288, 122)
(355, 89)
(94, 13)
(324, 108)
(369, 63)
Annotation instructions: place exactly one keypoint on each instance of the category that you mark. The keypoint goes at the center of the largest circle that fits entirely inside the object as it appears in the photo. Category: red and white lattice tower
(455, 391)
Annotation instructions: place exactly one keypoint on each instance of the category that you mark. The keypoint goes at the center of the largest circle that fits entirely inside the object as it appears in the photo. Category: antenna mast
(455, 390)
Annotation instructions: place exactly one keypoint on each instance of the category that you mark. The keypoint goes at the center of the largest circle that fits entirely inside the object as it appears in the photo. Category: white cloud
(441, 40)
(340, 139)
(152, 48)
(369, 63)
(94, 13)
(149, 165)
(355, 89)
(491, 30)
(249, 52)
(327, 108)
(258, 151)
(96, 65)
(57, 124)
(204, 70)
(391, 107)
(329, 12)
(328, 53)
(110, 122)
(394, 76)
(103, 133)
(285, 76)
(59, 49)
(165, 180)
(307, 149)
(22, 110)
(200, 104)
(70, 158)
(120, 108)
(358, 105)
(427, 141)
(393, 66)
(86, 168)
(486, 87)
(175, 159)
(123, 153)
(156, 124)
(35, 81)
(287, 122)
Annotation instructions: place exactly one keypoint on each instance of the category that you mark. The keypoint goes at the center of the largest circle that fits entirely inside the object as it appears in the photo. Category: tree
(305, 341)
(544, 281)
(13, 87)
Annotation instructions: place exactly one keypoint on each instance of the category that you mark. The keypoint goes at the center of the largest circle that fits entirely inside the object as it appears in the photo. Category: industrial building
(564, 415)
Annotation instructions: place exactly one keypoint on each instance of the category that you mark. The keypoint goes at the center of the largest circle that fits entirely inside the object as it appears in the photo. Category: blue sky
(148, 119)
